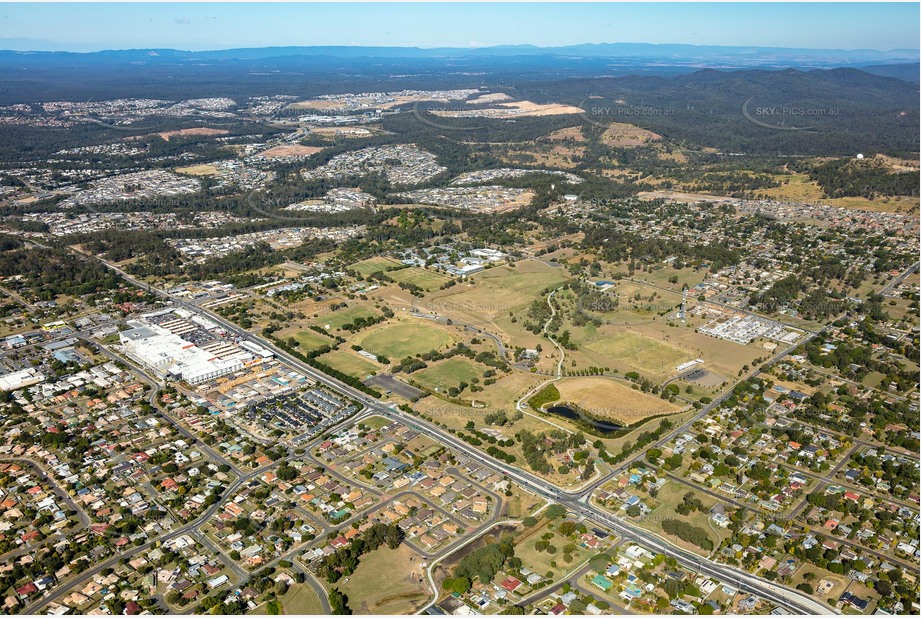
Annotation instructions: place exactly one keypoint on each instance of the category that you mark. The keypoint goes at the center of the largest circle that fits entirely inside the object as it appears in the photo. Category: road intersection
(577, 502)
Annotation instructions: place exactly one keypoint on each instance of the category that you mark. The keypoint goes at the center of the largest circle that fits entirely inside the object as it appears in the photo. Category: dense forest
(863, 178)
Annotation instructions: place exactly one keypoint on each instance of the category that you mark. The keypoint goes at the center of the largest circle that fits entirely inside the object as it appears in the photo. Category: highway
(889, 286)
(577, 503)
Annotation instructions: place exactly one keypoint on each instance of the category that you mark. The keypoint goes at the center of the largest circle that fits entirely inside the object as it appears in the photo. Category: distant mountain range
(757, 111)
(633, 53)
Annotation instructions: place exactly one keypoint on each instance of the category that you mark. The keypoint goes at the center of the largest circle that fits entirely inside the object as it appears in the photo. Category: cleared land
(349, 363)
(500, 290)
(290, 150)
(488, 98)
(448, 373)
(194, 131)
(300, 599)
(569, 133)
(520, 503)
(640, 351)
(669, 496)
(373, 265)
(540, 561)
(308, 340)
(608, 398)
(396, 341)
(369, 101)
(496, 296)
(337, 319)
(622, 134)
(799, 187)
(425, 279)
(514, 109)
(387, 581)
(376, 422)
(205, 169)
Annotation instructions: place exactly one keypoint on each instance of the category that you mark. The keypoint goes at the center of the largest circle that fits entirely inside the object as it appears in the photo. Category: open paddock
(290, 150)
(205, 169)
(335, 320)
(644, 353)
(387, 581)
(349, 363)
(373, 265)
(610, 399)
(300, 600)
(307, 340)
(447, 373)
(425, 279)
(401, 339)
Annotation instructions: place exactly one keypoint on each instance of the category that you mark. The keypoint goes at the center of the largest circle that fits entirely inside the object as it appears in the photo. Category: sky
(202, 26)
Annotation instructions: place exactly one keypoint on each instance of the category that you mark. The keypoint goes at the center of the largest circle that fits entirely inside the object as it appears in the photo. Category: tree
(459, 585)
(555, 511)
(599, 562)
(339, 603)
(567, 527)
(513, 610)
(286, 472)
(393, 537)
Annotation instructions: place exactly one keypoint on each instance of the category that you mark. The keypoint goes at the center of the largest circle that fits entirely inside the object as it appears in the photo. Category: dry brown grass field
(611, 399)
(290, 150)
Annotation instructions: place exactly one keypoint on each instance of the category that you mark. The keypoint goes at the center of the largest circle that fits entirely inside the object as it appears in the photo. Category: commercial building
(20, 379)
(169, 355)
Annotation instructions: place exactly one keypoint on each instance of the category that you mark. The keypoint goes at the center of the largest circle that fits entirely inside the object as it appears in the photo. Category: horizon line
(461, 48)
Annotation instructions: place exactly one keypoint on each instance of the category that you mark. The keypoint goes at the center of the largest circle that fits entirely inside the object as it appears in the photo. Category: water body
(602, 427)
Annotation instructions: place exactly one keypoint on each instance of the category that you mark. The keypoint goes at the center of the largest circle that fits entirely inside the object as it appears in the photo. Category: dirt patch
(494, 97)
(569, 133)
(514, 109)
(542, 109)
(290, 150)
(195, 131)
(622, 134)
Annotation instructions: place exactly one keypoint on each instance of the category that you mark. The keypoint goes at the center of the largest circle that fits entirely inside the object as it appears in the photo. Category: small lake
(602, 427)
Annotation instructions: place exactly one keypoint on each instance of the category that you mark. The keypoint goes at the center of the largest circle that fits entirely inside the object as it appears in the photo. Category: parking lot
(297, 411)
(391, 384)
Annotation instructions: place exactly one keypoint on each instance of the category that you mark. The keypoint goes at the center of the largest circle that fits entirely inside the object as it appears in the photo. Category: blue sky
(89, 27)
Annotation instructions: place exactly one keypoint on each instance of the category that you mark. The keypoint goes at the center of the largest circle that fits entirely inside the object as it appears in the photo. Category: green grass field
(373, 265)
(376, 422)
(640, 351)
(525, 280)
(336, 319)
(300, 600)
(425, 279)
(451, 372)
(669, 496)
(539, 562)
(349, 363)
(387, 581)
(309, 340)
(396, 341)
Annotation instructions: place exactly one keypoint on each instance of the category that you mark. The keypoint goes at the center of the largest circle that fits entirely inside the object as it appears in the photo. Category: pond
(602, 427)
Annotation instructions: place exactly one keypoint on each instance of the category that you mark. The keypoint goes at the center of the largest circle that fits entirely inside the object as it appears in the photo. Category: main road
(577, 503)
